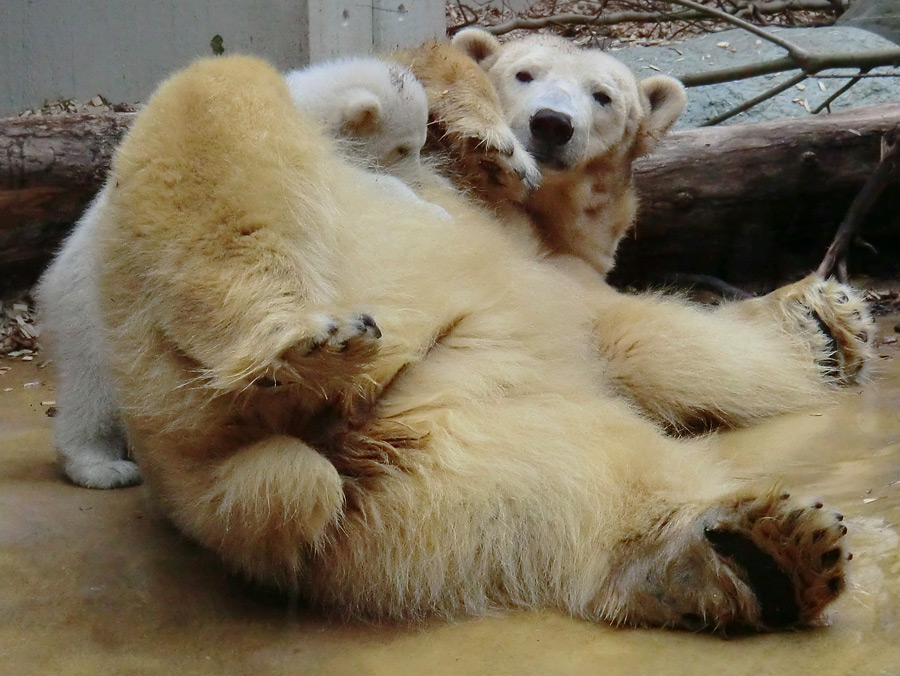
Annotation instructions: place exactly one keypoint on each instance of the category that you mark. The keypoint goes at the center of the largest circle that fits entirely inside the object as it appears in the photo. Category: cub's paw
(836, 322)
(102, 473)
(334, 348)
(788, 556)
(490, 160)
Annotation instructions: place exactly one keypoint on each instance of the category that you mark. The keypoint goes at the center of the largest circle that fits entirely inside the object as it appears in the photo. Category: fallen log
(760, 202)
(50, 168)
(742, 203)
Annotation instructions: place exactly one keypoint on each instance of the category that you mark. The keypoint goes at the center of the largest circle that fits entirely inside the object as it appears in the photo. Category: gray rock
(737, 47)
(878, 16)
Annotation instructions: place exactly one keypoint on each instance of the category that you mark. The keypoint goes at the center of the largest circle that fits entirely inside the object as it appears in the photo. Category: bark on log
(50, 168)
(741, 202)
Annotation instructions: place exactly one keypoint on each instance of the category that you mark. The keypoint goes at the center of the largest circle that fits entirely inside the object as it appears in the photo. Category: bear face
(568, 105)
(378, 106)
(584, 117)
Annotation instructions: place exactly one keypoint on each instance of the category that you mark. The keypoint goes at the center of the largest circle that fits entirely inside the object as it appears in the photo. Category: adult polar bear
(579, 112)
(467, 452)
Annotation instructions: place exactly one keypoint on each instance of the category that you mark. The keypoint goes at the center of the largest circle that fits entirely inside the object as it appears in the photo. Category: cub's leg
(87, 431)
(467, 124)
(691, 367)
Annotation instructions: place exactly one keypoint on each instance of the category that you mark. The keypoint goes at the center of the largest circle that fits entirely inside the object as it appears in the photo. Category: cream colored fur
(378, 106)
(339, 95)
(486, 445)
(585, 200)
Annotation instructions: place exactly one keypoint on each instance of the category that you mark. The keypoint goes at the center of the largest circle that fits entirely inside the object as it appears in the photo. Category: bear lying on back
(397, 414)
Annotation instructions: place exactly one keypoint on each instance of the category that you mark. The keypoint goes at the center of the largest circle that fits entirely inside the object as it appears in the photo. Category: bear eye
(524, 76)
(602, 98)
(401, 151)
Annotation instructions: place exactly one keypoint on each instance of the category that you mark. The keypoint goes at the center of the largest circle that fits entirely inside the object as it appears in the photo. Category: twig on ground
(796, 52)
(835, 261)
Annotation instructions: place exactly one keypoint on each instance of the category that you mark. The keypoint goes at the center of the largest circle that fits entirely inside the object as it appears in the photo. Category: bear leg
(263, 508)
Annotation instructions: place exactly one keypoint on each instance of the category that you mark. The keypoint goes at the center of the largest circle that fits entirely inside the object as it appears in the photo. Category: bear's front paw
(334, 348)
(346, 335)
(836, 322)
(491, 160)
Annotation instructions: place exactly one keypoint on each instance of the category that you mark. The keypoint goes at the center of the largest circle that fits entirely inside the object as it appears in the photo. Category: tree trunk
(743, 203)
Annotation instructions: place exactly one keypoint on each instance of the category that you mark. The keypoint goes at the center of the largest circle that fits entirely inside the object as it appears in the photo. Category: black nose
(550, 127)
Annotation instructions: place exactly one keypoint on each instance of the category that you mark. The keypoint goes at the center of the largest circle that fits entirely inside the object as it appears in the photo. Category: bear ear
(361, 113)
(666, 99)
(479, 45)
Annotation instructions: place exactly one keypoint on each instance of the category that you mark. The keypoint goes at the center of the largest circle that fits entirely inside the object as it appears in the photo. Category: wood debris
(19, 333)
(98, 104)
(883, 301)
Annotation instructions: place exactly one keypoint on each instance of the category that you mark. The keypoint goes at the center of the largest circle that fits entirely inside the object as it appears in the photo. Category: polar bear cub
(379, 112)
(378, 106)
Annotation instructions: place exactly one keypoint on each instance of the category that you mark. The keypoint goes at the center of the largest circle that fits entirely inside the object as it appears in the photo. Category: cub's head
(378, 106)
(569, 105)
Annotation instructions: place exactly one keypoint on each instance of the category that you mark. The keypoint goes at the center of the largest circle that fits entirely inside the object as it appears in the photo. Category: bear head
(378, 106)
(568, 105)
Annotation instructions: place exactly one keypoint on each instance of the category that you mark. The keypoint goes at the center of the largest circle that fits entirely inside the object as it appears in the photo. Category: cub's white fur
(380, 106)
(377, 108)
(86, 430)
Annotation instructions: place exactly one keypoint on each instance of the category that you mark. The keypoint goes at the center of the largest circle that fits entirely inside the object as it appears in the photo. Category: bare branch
(611, 18)
(835, 260)
(814, 64)
(797, 53)
(756, 100)
(827, 102)
(588, 20)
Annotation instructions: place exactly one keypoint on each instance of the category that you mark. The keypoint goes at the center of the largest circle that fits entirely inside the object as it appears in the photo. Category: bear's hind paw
(788, 555)
(835, 322)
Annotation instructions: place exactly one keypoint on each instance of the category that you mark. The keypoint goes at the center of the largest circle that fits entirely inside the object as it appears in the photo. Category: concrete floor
(95, 582)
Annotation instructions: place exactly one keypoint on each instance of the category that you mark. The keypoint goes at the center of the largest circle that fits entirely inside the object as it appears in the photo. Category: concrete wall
(51, 49)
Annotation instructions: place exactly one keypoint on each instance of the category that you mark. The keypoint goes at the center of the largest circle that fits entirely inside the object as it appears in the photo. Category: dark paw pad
(772, 587)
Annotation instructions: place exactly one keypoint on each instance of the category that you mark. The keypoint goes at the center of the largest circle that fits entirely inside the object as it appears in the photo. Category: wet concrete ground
(95, 582)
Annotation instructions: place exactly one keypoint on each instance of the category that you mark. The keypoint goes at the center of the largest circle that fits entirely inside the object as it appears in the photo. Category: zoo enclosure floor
(97, 582)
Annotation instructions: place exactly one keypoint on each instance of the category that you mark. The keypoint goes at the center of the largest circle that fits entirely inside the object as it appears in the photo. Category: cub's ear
(479, 45)
(665, 101)
(360, 113)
